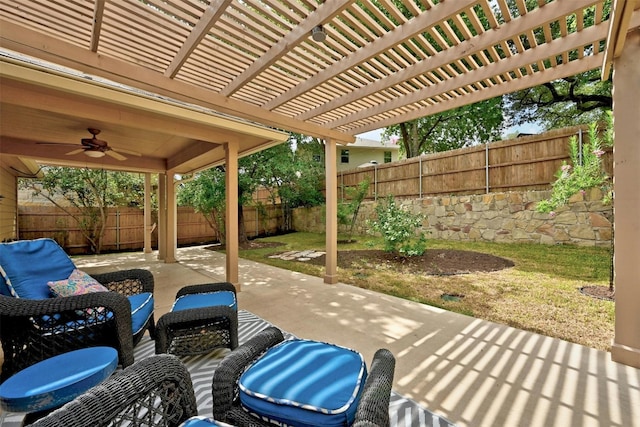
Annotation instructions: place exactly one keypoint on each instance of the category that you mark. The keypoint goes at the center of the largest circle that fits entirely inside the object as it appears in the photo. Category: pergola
(193, 83)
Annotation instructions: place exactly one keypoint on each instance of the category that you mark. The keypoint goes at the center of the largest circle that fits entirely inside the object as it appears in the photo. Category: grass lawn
(540, 294)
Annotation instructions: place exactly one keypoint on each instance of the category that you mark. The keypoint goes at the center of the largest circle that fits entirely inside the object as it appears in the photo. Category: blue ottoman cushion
(58, 380)
(205, 299)
(200, 421)
(304, 383)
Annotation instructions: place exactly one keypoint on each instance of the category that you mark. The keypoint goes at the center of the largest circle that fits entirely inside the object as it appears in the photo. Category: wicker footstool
(203, 318)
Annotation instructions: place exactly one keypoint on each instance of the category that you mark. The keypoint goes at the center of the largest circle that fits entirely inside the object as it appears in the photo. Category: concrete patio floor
(473, 372)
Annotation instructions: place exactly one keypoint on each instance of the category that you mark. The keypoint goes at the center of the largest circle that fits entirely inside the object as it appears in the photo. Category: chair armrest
(205, 288)
(373, 409)
(127, 282)
(226, 376)
(160, 384)
(27, 335)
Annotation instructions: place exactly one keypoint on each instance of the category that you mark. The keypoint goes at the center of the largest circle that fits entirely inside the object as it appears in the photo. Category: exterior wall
(361, 155)
(495, 217)
(8, 205)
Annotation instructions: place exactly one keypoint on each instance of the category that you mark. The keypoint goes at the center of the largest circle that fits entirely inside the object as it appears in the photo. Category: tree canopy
(472, 124)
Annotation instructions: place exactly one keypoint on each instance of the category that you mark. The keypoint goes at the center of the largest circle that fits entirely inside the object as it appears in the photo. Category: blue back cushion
(27, 265)
(141, 310)
(305, 383)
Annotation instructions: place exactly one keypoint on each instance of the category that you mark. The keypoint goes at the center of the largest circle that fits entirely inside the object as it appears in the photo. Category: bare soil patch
(600, 292)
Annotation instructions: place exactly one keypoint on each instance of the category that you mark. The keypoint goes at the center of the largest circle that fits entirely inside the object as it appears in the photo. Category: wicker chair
(32, 330)
(372, 410)
(156, 391)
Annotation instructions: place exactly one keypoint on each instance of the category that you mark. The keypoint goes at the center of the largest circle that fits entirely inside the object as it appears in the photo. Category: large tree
(472, 124)
(580, 99)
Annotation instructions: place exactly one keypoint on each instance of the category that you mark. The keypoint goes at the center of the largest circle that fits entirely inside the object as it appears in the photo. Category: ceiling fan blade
(56, 144)
(122, 150)
(71, 153)
(115, 155)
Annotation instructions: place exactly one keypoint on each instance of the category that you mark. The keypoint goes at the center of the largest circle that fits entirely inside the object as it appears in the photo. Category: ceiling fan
(96, 148)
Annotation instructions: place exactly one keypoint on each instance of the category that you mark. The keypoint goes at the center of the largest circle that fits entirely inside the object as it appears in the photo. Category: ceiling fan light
(94, 154)
(318, 34)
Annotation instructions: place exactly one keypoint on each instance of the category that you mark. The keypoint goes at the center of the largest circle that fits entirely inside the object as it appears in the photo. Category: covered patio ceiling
(46, 112)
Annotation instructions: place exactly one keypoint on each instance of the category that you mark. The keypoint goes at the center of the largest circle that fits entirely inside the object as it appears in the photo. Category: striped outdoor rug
(403, 412)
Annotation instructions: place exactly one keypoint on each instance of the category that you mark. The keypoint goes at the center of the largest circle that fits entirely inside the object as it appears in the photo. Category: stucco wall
(495, 217)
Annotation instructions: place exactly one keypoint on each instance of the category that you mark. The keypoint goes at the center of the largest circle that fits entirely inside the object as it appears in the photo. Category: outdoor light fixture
(93, 153)
(318, 34)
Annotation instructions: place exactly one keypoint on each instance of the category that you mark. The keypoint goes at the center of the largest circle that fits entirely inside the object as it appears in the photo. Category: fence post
(580, 147)
(118, 229)
(486, 167)
(375, 181)
(420, 174)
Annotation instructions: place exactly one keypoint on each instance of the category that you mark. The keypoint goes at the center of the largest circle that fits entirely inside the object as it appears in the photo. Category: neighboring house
(364, 152)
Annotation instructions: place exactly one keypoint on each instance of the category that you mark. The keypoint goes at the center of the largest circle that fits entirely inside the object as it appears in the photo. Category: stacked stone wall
(496, 217)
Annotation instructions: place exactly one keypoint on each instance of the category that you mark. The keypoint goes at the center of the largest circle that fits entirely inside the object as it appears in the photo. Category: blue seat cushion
(141, 310)
(205, 299)
(27, 265)
(57, 380)
(304, 383)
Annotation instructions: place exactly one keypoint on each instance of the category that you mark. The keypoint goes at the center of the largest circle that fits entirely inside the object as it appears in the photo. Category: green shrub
(580, 176)
(398, 228)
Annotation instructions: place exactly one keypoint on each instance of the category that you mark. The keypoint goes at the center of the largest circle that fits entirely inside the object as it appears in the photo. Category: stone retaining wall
(496, 217)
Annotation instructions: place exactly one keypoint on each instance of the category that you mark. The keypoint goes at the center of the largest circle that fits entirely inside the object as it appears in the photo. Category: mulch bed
(441, 262)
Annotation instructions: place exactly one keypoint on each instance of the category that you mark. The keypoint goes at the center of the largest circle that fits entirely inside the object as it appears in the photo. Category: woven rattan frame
(27, 338)
(198, 330)
(372, 411)
(156, 391)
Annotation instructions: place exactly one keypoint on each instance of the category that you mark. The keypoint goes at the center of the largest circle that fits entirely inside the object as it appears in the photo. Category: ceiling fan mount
(94, 144)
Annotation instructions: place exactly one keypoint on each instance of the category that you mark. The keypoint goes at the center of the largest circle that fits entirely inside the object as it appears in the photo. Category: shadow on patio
(475, 373)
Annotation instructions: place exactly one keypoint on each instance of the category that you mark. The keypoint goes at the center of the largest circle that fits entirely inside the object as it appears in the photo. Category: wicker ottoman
(203, 318)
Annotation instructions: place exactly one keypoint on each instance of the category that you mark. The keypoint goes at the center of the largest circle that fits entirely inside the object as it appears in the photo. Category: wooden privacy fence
(526, 163)
(125, 227)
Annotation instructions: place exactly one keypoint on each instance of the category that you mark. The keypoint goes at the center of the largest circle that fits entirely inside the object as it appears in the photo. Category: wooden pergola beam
(524, 82)
(29, 42)
(464, 50)
(98, 13)
(210, 16)
(436, 14)
(556, 47)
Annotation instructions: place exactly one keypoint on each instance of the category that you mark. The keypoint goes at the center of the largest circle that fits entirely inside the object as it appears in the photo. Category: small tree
(584, 173)
(206, 194)
(348, 211)
(399, 229)
(91, 192)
